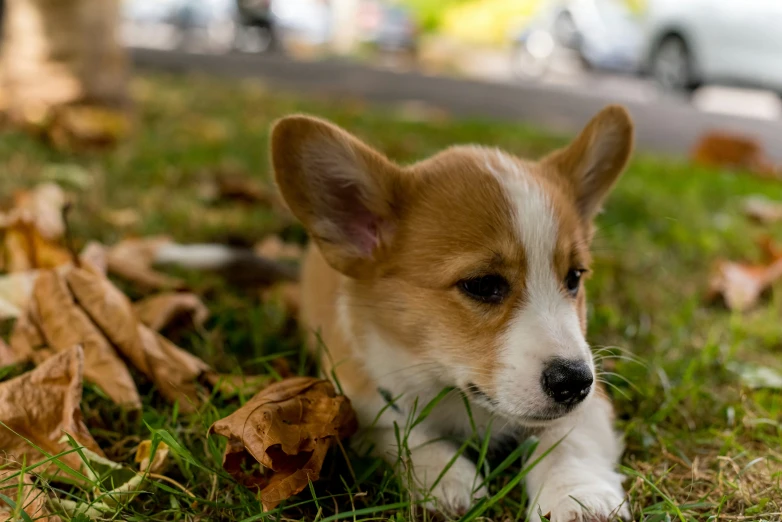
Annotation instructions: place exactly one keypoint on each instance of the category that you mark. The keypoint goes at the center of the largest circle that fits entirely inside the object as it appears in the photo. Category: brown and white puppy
(462, 270)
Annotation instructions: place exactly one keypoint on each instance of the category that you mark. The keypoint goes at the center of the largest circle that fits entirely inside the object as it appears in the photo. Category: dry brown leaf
(723, 149)
(276, 249)
(740, 285)
(25, 248)
(95, 254)
(173, 370)
(26, 342)
(64, 325)
(41, 406)
(32, 500)
(161, 310)
(132, 259)
(158, 461)
(43, 207)
(238, 187)
(288, 428)
(16, 289)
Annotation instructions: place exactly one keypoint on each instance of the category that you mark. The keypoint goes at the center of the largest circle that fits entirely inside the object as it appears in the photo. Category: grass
(701, 445)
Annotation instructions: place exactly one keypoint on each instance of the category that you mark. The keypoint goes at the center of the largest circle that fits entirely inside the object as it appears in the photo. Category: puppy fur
(385, 306)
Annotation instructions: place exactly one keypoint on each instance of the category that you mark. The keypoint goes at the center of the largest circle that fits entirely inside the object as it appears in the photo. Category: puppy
(464, 270)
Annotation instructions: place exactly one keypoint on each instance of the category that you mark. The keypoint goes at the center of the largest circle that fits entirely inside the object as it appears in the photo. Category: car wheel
(254, 39)
(672, 65)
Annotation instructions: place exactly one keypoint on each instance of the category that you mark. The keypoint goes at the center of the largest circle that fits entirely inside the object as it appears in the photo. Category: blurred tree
(63, 69)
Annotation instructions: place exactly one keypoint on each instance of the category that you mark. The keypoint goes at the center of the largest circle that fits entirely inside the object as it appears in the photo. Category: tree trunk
(59, 57)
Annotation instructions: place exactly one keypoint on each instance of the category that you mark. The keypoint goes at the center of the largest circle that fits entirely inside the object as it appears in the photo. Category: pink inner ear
(363, 232)
(359, 227)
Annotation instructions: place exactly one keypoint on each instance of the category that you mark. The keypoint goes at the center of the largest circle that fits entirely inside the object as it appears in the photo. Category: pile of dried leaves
(73, 324)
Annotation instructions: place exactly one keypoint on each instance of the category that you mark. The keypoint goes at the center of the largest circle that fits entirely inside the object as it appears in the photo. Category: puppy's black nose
(567, 381)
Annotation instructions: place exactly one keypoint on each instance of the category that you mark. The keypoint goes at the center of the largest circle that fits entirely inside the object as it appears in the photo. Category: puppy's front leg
(427, 458)
(578, 481)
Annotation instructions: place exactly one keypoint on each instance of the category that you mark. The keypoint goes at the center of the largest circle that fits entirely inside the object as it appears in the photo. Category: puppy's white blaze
(547, 324)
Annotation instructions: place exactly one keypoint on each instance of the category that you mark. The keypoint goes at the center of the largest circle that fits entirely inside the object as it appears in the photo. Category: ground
(700, 443)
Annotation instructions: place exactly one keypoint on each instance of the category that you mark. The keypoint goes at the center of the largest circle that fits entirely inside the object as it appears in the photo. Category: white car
(688, 43)
(603, 34)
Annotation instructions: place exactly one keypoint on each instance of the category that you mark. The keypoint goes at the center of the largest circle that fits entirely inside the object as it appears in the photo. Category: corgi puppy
(464, 270)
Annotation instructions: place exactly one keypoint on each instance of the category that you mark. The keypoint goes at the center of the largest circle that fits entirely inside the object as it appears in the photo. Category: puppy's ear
(342, 191)
(593, 162)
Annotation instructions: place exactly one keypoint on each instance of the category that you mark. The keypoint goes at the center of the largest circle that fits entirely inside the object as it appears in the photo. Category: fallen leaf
(21, 488)
(43, 207)
(64, 325)
(151, 463)
(723, 149)
(161, 310)
(276, 249)
(25, 248)
(41, 406)
(26, 342)
(237, 187)
(288, 428)
(16, 289)
(173, 370)
(132, 259)
(740, 285)
(96, 255)
(762, 210)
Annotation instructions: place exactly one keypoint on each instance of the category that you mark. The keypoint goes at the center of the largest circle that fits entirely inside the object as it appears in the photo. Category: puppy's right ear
(344, 192)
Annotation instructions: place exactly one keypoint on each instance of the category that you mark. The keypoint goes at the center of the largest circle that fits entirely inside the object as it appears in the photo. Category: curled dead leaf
(740, 285)
(174, 371)
(147, 462)
(132, 260)
(239, 187)
(26, 342)
(25, 248)
(41, 406)
(16, 289)
(287, 428)
(64, 325)
(42, 207)
(22, 489)
(161, 310)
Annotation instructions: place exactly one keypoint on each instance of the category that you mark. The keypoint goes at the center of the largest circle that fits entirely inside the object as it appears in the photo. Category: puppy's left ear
(593, 162)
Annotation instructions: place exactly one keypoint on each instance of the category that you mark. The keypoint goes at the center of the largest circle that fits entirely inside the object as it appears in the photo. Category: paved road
(663, 125)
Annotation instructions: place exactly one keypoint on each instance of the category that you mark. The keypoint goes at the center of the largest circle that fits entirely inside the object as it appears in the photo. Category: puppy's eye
(486, 289)
(573, 280)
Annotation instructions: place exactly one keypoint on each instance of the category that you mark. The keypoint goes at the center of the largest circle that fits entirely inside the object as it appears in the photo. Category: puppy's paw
(454, 493)
(598, 502)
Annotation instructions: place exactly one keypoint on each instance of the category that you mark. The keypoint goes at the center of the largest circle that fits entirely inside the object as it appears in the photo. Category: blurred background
(632, 50)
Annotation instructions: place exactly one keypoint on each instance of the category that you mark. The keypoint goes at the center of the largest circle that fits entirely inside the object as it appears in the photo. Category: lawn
(701, 444)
